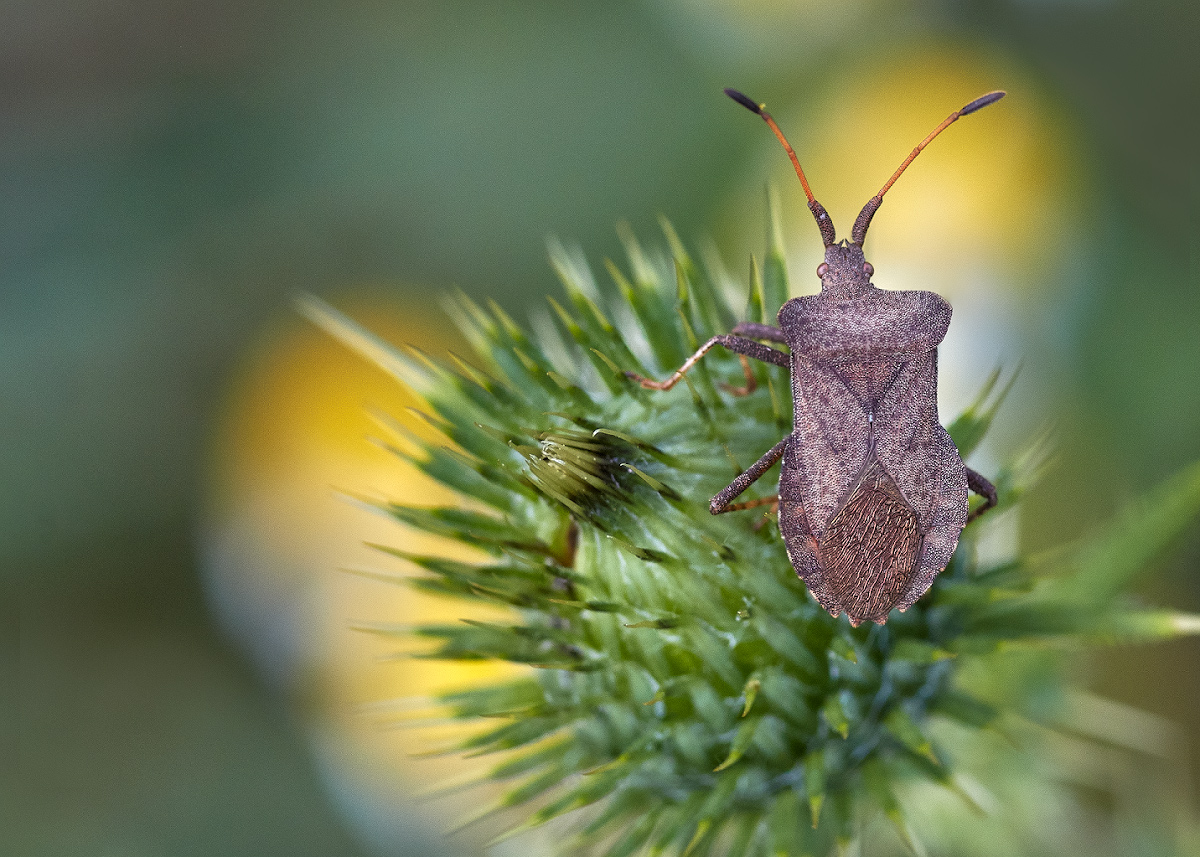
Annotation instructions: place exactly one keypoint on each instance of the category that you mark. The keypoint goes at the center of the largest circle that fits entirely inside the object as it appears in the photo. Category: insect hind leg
(723, 502)
(772, 501)
(978, 483)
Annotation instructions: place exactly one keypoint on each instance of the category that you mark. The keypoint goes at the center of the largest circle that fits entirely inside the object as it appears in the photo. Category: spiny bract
(686, 686)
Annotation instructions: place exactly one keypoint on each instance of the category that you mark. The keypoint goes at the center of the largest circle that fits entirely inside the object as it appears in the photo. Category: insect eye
(868, 268)
(822, 269)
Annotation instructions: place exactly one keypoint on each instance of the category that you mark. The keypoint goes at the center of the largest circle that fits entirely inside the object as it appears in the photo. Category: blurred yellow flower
(294, 433)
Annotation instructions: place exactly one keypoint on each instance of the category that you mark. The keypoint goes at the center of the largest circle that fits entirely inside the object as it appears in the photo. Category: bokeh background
(185, 670)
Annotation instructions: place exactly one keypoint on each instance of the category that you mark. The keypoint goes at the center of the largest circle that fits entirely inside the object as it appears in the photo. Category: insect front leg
(984, 488)
(723, 501)
(751, 330)
(736, 344)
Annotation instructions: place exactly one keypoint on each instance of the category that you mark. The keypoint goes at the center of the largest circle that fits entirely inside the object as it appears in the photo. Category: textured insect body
(873, 494)
(872, 491)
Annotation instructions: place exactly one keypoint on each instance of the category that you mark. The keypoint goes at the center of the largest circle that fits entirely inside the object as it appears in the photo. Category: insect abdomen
(868, 552)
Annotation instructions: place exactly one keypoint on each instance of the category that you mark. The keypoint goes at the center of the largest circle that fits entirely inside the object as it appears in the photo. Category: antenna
(859, 232)
(818, 210)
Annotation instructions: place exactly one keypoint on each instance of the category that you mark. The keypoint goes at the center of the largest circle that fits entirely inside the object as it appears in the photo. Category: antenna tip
(745, 101)
(982, 101)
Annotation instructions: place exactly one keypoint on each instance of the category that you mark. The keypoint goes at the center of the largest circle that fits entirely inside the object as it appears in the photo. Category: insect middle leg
(978, 483)
(736, 344)
(723, 502)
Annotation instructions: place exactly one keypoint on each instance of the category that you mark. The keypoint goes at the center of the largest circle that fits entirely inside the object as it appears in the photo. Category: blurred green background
(172, 173)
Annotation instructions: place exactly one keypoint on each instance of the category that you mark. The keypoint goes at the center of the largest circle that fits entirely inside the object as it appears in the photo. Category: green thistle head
(686, 694)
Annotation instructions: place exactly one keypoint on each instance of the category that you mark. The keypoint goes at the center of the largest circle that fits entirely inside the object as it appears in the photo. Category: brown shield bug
(872, 491)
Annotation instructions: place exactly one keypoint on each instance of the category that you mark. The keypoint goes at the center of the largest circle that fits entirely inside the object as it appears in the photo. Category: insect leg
(751, 330)
(774, 510)
(751, 382)
(737, 344)
(773, 501)
(722, 502)
(981, 486)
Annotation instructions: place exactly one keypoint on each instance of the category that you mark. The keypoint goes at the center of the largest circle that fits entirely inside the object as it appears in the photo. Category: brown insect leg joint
(736, 344)
(982, 486)
(722, 502)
